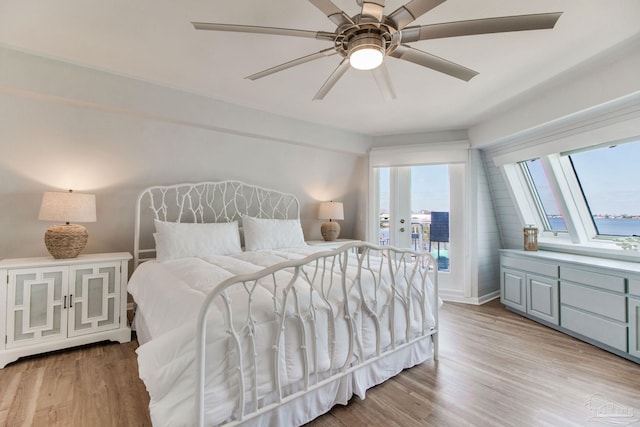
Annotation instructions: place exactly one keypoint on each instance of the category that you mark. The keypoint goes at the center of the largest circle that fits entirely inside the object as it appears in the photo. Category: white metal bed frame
(405, 279)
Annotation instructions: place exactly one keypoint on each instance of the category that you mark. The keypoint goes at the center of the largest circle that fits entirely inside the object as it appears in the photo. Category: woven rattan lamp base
(65, 241)
(330, 230)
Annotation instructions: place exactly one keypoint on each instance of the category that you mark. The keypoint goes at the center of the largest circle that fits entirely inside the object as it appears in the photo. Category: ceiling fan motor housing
(370, 45)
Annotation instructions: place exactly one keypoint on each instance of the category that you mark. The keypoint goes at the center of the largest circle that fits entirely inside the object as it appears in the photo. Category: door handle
(402, 229)
(64, 304)
(402, 221)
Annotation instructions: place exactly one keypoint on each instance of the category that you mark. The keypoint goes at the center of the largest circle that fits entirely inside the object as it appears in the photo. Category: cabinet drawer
(634, 287)
(598, 280)
(545, 269)
(593, 300)
(605, 331)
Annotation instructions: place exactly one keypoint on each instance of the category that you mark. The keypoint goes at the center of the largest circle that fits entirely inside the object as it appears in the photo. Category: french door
(421, 207)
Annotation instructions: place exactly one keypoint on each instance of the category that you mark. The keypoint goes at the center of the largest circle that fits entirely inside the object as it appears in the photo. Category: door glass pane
(428, 191)
(78, 282)
(57, 313)
(94, 297)
(544, 196)
(608, 180)
(110, 320)
(77, 321)
(38, 304)
(56, 276)
(20, 286)
(111, 271)
(430, 211)
(18, 333)
(384, 207)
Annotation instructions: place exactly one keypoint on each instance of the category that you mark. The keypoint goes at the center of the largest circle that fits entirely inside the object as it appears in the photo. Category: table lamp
(67, 240)
(330, 210)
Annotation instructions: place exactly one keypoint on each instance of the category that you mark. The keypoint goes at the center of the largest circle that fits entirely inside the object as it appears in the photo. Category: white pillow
(180, 240)
(265, 233)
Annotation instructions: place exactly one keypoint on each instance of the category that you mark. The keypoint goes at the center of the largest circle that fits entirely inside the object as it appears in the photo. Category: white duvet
(169, 296)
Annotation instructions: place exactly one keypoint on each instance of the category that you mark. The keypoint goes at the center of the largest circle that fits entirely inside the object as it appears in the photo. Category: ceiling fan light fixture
(366, 52)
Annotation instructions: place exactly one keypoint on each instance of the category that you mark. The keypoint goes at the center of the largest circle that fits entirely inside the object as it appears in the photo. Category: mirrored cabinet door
(36, 309)
(94, 294)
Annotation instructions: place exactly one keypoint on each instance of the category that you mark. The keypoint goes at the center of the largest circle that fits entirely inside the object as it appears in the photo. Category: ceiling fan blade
(373, 9)
(333, 79)
(333, 12)
(322, 35)
(383, 81)
(406, 14)
(436, 63)
(503, 24)
(293, 63)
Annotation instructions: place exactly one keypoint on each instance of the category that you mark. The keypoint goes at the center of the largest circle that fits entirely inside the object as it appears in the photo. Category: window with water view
(545, 198)
(427, 193)
(609, 183)
(606, 180)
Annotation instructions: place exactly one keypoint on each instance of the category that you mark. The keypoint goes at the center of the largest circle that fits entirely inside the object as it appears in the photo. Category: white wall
(487, 235)
(65, 126)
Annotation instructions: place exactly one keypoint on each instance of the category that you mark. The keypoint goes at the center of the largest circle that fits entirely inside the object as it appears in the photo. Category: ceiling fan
(365, 39)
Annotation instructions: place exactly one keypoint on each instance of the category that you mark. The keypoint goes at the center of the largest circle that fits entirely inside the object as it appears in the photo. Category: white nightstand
(333, 244)
(50, 304)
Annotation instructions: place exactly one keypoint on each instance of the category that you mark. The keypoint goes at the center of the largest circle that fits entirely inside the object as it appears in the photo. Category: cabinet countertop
(591, 261)
(49, 260)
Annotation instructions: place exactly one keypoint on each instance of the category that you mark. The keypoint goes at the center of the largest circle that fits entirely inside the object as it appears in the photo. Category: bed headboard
(205, 202)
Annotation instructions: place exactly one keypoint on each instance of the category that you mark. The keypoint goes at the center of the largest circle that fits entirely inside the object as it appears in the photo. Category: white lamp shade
(68, 207)
(331, 210)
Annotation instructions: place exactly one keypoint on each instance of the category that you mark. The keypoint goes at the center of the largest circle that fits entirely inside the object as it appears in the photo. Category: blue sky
(430, 186)
(608, 176)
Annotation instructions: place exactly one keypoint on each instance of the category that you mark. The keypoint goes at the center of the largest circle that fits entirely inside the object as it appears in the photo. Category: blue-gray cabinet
(593, 299)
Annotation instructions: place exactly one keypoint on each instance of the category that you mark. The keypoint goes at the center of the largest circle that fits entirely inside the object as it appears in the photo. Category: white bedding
(170, 294)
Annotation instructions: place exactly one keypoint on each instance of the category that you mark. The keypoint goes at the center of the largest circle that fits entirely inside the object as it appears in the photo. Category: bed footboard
(294, 327)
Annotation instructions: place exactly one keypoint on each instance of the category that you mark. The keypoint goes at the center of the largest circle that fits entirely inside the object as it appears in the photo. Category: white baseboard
(456, 297)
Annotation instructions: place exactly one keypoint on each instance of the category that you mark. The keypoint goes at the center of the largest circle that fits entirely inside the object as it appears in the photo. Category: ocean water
(606, 226)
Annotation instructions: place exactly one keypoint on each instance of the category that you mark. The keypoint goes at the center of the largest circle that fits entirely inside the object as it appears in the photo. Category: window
(608, 179)
(586, 194)
(543, 195)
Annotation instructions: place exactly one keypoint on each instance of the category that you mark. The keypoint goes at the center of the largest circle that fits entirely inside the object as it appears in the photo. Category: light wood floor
(495, 369)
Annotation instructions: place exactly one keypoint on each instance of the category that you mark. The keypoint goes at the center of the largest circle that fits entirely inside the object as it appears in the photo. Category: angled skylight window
(543, 195)
(608, 180)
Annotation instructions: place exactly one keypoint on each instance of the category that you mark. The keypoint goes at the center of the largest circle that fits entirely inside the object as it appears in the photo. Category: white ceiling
(153, 40)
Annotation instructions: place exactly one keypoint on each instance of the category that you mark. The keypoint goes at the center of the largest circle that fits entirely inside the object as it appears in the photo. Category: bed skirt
(338, 392)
